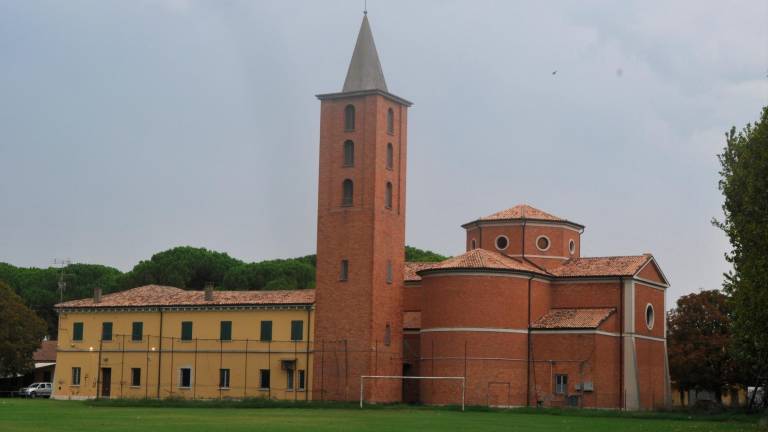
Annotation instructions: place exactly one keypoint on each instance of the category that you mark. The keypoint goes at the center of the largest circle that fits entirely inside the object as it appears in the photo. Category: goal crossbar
(365, 377)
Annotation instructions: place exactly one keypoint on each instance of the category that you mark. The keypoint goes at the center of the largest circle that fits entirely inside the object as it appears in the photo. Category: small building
(159, 342)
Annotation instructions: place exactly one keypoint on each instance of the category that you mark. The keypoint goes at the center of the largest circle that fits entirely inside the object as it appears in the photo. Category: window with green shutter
(297, 330)
(186, 330)
(77, 331)
(137, 332)
(106, 331)
(266, 331)
(226, 331)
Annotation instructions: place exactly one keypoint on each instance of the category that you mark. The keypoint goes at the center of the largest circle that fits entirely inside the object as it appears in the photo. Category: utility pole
(62, 283)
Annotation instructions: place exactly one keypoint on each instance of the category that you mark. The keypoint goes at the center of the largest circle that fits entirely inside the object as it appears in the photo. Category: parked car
(42, 389)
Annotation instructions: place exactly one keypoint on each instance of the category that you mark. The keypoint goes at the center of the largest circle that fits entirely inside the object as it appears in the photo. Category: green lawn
(45, 415)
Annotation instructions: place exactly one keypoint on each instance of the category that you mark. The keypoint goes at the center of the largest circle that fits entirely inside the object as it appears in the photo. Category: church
(519, 319)
(522, 316)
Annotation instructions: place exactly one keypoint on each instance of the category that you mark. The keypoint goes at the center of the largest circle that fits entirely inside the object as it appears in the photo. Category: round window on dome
(542, 242)
(502, 242)
(649, 316)
(572, 247)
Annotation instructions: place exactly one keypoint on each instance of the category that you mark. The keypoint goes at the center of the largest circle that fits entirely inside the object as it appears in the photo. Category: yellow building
(158, 342)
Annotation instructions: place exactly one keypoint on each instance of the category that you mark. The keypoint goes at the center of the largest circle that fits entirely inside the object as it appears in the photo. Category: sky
(130, 127)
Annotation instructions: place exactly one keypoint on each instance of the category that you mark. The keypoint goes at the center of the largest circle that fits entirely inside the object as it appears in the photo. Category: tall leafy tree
(20, 333)
(744, 184)
(698, 337)
(420, 255)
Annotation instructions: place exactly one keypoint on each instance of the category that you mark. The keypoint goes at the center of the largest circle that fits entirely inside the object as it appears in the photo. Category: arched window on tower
(390, 121)
(349, 118)
(388, 196)
(349, 153)
(347, 190)
(390, 156)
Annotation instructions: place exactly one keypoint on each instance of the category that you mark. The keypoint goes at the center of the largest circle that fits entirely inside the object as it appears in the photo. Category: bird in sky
(554, 72)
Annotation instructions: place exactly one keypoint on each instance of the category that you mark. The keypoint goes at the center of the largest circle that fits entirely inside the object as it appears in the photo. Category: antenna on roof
(365, 7)
(62, 284)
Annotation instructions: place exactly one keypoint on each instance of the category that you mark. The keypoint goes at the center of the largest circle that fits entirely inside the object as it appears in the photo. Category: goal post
(369, 377)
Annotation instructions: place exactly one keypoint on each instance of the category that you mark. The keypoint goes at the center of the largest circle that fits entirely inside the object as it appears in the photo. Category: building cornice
(363, 93)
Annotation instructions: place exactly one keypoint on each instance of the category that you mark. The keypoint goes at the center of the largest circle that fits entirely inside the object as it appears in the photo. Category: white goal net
(363, 378)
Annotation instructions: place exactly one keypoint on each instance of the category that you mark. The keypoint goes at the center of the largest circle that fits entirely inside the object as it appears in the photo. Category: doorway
(106, 381)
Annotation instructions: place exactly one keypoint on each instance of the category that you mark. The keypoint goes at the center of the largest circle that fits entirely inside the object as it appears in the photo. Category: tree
(183, 267)
(698, 336)
(744, 184)
(413, 254)
(20, 333)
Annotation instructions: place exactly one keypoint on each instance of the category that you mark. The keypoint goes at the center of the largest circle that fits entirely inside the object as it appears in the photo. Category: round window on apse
(502, 242)
(542, 242)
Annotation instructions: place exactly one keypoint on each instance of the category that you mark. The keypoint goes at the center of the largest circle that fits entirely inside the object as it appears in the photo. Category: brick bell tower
(360, 233)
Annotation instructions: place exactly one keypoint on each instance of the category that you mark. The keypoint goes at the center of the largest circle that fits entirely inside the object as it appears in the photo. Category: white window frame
(653, 316)
(496, 242)
(549, 243)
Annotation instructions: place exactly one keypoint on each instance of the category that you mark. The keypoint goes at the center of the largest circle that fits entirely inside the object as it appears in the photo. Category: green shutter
(297, 330)
(266, 330)
(106, 331)
(186, 330)
(226, 331)
(137, 332)
(77, 331)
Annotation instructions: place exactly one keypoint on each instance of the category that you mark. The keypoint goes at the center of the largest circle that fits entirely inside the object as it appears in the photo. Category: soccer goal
(370, 377)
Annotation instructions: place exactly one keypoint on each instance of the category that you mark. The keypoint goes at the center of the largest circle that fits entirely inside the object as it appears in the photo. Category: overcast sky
(130, 127)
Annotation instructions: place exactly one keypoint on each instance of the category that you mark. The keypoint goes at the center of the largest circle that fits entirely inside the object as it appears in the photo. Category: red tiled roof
(46, 352)
(573, 318)
(522, 211)
(411, 320)
(409, 273)
(484, 259)
(601, 266)
(157, 295)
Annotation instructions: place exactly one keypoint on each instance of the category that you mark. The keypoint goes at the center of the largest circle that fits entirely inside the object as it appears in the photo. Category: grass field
(47, 415)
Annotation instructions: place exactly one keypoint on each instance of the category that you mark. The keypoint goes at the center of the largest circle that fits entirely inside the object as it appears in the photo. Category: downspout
(522, 240)
(528, 362)
(160, 354)
(306, 360)
(621, 344)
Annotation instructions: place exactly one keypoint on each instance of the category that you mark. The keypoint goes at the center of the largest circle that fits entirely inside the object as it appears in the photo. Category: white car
(42, 389)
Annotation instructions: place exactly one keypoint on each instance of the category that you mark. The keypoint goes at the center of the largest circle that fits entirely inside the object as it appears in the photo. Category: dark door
(106, 381)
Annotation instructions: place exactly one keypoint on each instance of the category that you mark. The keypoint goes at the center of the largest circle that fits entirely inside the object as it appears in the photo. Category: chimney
(97, 295)
(209, 291)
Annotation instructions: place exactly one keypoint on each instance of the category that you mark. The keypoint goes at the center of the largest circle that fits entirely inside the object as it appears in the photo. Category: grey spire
(364, 69)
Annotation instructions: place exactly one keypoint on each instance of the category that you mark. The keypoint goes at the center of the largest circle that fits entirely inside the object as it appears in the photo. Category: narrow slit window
(347, 191)
(388, 196)
(389, 272)
(349, 153)
(349, 118)
(390, 121)
(344, 271)
(390, 156)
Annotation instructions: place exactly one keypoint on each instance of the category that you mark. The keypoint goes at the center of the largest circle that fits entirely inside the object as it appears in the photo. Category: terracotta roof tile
(409, 273)
(46, 352)
(601, 266)
(157, 295)
(522, 211)
(411, 320)
(573, 318)
(484, 259)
